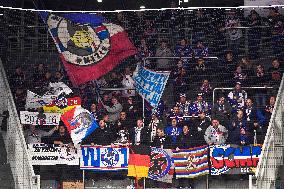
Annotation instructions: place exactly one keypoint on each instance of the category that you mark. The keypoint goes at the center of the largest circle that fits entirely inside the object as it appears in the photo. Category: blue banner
(150, 85)
(104, 158)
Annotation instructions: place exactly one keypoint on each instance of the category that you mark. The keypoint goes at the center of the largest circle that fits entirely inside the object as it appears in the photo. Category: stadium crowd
(189, 117)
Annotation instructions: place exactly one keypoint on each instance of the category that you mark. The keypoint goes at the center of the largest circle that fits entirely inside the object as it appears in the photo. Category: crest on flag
(161, 166)
(80, 44)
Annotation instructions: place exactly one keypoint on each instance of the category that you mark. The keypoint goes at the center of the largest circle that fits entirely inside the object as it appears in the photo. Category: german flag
(139, 161)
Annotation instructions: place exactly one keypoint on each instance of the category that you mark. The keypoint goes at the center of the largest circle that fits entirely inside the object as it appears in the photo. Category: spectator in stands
(162, 140)
(199, 127)
(114, 110)
(238, 130)
(228, 66)
(237, 98)
(131, 109)
(175, 114)
(235, 33)
(269, 109)
(123, 123)
(181, 81)
(254, 33)
(275, 72)
(106, 101)
(18, 79)
(200, 49)
(187, 139)
(239, 75)
(47, 79)
(128, 82)
(200, 69)
(39, 73)
(62, 136)
(101, 136)
(163, 51)
(59, 77)
(206, 89)
(150, 31)
(199, 106)
(216, 134)
(222, 111)
(254, 118)
(260, 78)
(139, 134)
(154, 124)
(183, 50)
(275, 20)
(173, 131)
(20, 98)
(183, 104)
(34, 135)
(144, 51)
(115, 80)
(94, 112)
(247, 66)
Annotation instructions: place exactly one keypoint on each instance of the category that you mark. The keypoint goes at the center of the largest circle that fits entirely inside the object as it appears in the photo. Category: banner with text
(47, 154)
(150, 85)
(33, 118)
(104, 158)
(233, 159)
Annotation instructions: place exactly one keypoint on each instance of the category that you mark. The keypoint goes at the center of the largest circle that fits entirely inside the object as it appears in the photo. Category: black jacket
(187, 141)
(164, 141)
(144, 138)
(100, 137)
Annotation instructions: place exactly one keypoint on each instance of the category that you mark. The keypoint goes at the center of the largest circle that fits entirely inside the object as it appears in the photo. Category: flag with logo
(103, 158)
(89, 48)
(80, 123)
(139, 161)
(192, 162)
(150, 85)
(161, 165)
(61, 105)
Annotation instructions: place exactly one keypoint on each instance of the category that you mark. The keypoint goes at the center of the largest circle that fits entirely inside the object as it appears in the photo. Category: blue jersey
(173, 132)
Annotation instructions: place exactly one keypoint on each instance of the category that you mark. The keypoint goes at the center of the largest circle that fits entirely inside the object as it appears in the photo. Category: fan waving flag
(88, 47)
(191, 162)
(80, 123)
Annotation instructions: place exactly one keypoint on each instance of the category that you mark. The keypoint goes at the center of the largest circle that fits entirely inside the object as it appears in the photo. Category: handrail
(270, 134)
(18, 125)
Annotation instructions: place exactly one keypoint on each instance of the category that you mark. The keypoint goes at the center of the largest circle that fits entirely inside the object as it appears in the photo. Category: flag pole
(83, 178)
(144, 63)
(144, 184)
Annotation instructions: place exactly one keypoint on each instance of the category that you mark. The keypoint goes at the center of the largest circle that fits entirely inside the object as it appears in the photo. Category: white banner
(31, 118)
(58, 88)
(34, 101)
(48, 154)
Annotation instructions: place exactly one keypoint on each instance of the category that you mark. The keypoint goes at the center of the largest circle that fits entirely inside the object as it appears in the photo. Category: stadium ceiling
(88, 5)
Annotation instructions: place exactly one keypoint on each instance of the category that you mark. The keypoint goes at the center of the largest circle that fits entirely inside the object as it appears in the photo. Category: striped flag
(192, 162)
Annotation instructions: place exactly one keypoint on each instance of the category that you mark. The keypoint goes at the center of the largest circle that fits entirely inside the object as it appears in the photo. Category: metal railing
(272, 150)
(17, 153)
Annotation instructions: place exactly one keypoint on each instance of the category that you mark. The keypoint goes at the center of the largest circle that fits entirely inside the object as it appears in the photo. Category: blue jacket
(173, 132)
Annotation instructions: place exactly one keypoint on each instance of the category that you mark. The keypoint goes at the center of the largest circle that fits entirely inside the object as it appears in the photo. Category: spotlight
(142, 7)
(99, 1)
(185, 1)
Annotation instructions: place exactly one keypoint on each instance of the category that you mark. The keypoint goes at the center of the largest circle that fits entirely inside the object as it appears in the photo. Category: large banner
(191, 162)
(104, 158)
(233, 159)
(34, 101)
(32, 118)
(47, 154)
(150, 85)
(88, 47)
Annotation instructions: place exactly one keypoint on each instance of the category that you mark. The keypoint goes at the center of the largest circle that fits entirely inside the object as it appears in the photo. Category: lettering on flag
(47, 154)
(233, 159)
(150, 85)
(104, 158)
(62, 104)
(88, 47)
(32, 118)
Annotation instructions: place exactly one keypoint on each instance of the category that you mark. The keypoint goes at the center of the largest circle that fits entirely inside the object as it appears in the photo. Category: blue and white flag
(150, 85)
(104, 158)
